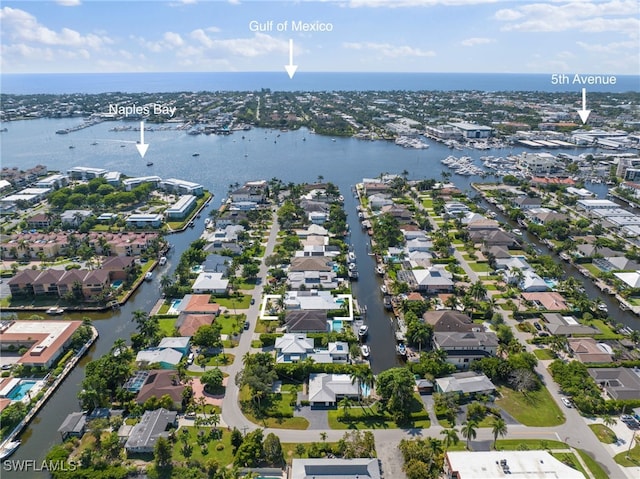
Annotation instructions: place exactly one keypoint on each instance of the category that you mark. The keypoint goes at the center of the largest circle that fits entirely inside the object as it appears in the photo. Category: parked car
(626, 418)
(566, 402)
(190, 359)
(247, 324)
(537, 326)
(253, 301)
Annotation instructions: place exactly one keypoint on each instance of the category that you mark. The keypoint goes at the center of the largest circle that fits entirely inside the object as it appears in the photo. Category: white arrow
(584, 113)
(291, 68)
(142, 148)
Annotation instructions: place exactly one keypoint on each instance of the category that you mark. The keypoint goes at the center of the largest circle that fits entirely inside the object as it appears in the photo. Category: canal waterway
(223, 161)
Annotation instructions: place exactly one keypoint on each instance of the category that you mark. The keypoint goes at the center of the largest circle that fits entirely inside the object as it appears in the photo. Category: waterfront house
(493, 237)
(74, 425)
(326, 390)
(179, 343)
(166, 358)
(531, 282)
(563, 325)
(198, 303)
(306, 321)
(145, 434)
(434, 279)
(449, 321)
(463, 348)
(587, 350)
(210, 283)
(291, 348)
(161, 383)
(188, 324)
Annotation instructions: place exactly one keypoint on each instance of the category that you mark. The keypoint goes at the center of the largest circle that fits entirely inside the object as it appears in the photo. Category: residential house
(434, 279)
(161, 383)
(548, 300)
(399, 212)
(311, 263)
(326, 390)
(587, 350)
(542, 216)
(561, 325)
(74, 425)
(306, 321)
(293, 347)
(179, 343)
(166, 358)
(74, 217)
(467, 382)
(531, 282)
(39, 221)
(152, 426)
(618, 383)
(449, 321)
(379, 201)
(210, 283)
(493, 237)
(312, 280)
(198, 303)
(526, 202)
(463, 348)
(188, 324)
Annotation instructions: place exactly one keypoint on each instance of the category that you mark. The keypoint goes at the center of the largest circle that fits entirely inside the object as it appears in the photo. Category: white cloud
(389, 50)
(613, 48)
(21, 26)
(472, 42)
(618, 16)
(259, 44)
(414, 3)
(69, 3)
(173, 39)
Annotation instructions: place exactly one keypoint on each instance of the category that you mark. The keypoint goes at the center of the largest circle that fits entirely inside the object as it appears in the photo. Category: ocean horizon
(95, 83)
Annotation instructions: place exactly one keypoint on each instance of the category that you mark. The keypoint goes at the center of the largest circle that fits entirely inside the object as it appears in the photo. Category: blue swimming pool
(116, 284)
(336, 325)
(20, 390)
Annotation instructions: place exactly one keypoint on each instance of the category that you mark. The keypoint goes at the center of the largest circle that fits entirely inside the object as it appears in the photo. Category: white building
(181, 208)
(144, 220)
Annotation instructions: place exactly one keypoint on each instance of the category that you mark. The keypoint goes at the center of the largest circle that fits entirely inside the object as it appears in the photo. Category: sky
(475, 36)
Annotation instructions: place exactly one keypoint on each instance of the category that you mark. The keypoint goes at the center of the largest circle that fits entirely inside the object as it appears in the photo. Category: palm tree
(498, 428)
(478, 291)
(450, 437)
(363, 375)
(452, 302)
(609, 420)
(469, 431)
(345, 404)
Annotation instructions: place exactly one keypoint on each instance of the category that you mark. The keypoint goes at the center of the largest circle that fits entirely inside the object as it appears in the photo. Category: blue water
(336, 325)
(279, 81)
(175, 303)
(20, 391)
(116, 284)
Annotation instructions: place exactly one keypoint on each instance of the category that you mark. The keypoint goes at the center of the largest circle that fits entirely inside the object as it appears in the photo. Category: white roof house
(531, 282)
(435, 278)
(166, 357)
(293, 347)
(210, 283)
(632, 279)
(466, 383)
(520, 464)
(328, 389)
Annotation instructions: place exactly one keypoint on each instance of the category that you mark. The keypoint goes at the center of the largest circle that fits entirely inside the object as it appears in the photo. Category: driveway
(317, 417)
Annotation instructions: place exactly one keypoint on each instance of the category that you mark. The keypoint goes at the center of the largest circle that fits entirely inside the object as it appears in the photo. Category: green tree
(251, 451)
(395, 387)
(273, 450)
(212, 379)
(450, 437)
(162, 453)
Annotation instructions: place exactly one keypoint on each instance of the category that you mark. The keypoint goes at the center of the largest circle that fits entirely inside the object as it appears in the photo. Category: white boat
(401, 349)
(363, 331)
(8, 448)
(55, 310)
(516, 232)
(383, 288)
(380, 270)
(352, 266)
(351, 257)
(148, 276)
(365, 351)
(603, 307)
(162, 261)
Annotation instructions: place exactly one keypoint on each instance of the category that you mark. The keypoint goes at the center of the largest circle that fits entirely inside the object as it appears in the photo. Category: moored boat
(8, 448)
(401, 349)
(365, 351)
(363, 331)
(55, 310)
(148, 276)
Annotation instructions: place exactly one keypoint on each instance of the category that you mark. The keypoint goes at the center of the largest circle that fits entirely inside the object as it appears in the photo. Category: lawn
(603, 433)
(167, 325)
(223, 456)
(234, 302)
(531, 444)
(275, 409)
(537, 408)
(481, 267)
(592, 268)
(606, 331)
(231, 323)
(289, 448)
(544, 354)
(365, 417)
(570, 460)
(634, 457)
(593, 466)
(221, 359)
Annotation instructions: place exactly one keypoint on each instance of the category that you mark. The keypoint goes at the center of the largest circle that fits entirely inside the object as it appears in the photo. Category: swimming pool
(21, 390)
(197, 269)
(336, 325)
(174, 305)
(116, 284)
